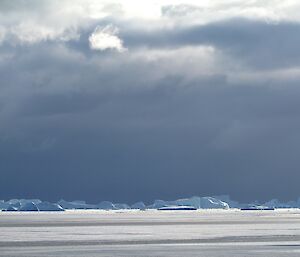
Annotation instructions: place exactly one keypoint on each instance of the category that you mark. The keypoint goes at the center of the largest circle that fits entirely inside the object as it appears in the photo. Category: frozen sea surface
(211, 233)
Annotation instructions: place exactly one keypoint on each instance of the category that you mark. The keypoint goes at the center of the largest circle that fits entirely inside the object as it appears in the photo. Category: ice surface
(151, 233)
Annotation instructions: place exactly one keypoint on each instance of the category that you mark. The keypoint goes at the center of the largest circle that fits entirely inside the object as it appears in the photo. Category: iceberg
(158, 204)
(121, 206)
(10, 208)
(81, 205)
(46, 206)
(252, 207)
(30, 206)
(195, 202)
(105, 205)
(275, 203)
(203, 203)
(3, 205)
(213, 203)
(226, 199)
(15, 205)
(13, 201)
(24, 201)
(138, 206)
(19, 203)
(35, 201)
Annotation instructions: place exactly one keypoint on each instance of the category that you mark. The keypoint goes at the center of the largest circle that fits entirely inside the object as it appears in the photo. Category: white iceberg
(226, 199)
(24, 201)
(121, 206)
(213, 203)
(253, 207)
(195, 202)
(13, 201)
(158, 204)
(275, 203)
(46, 206)
(203, 203)
(139, 206)
(10, 208)
(105, 205)
(30, 206)
(3, 205)
(81, 205)
(20, 205)
(15, 205)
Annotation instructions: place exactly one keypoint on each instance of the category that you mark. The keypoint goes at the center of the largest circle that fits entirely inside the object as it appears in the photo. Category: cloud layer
(107, 100)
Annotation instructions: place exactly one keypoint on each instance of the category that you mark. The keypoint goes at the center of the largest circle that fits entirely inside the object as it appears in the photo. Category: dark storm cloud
(196, 141)
(75, 123)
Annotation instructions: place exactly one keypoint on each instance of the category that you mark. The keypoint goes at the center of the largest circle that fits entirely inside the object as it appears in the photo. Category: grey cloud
(143, 139)
(21, 5)
(120, 127)
(51, 104)
(259, 44)
(176, 11)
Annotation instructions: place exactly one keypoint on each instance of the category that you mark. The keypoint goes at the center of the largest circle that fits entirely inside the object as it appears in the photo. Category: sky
(139, 100)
